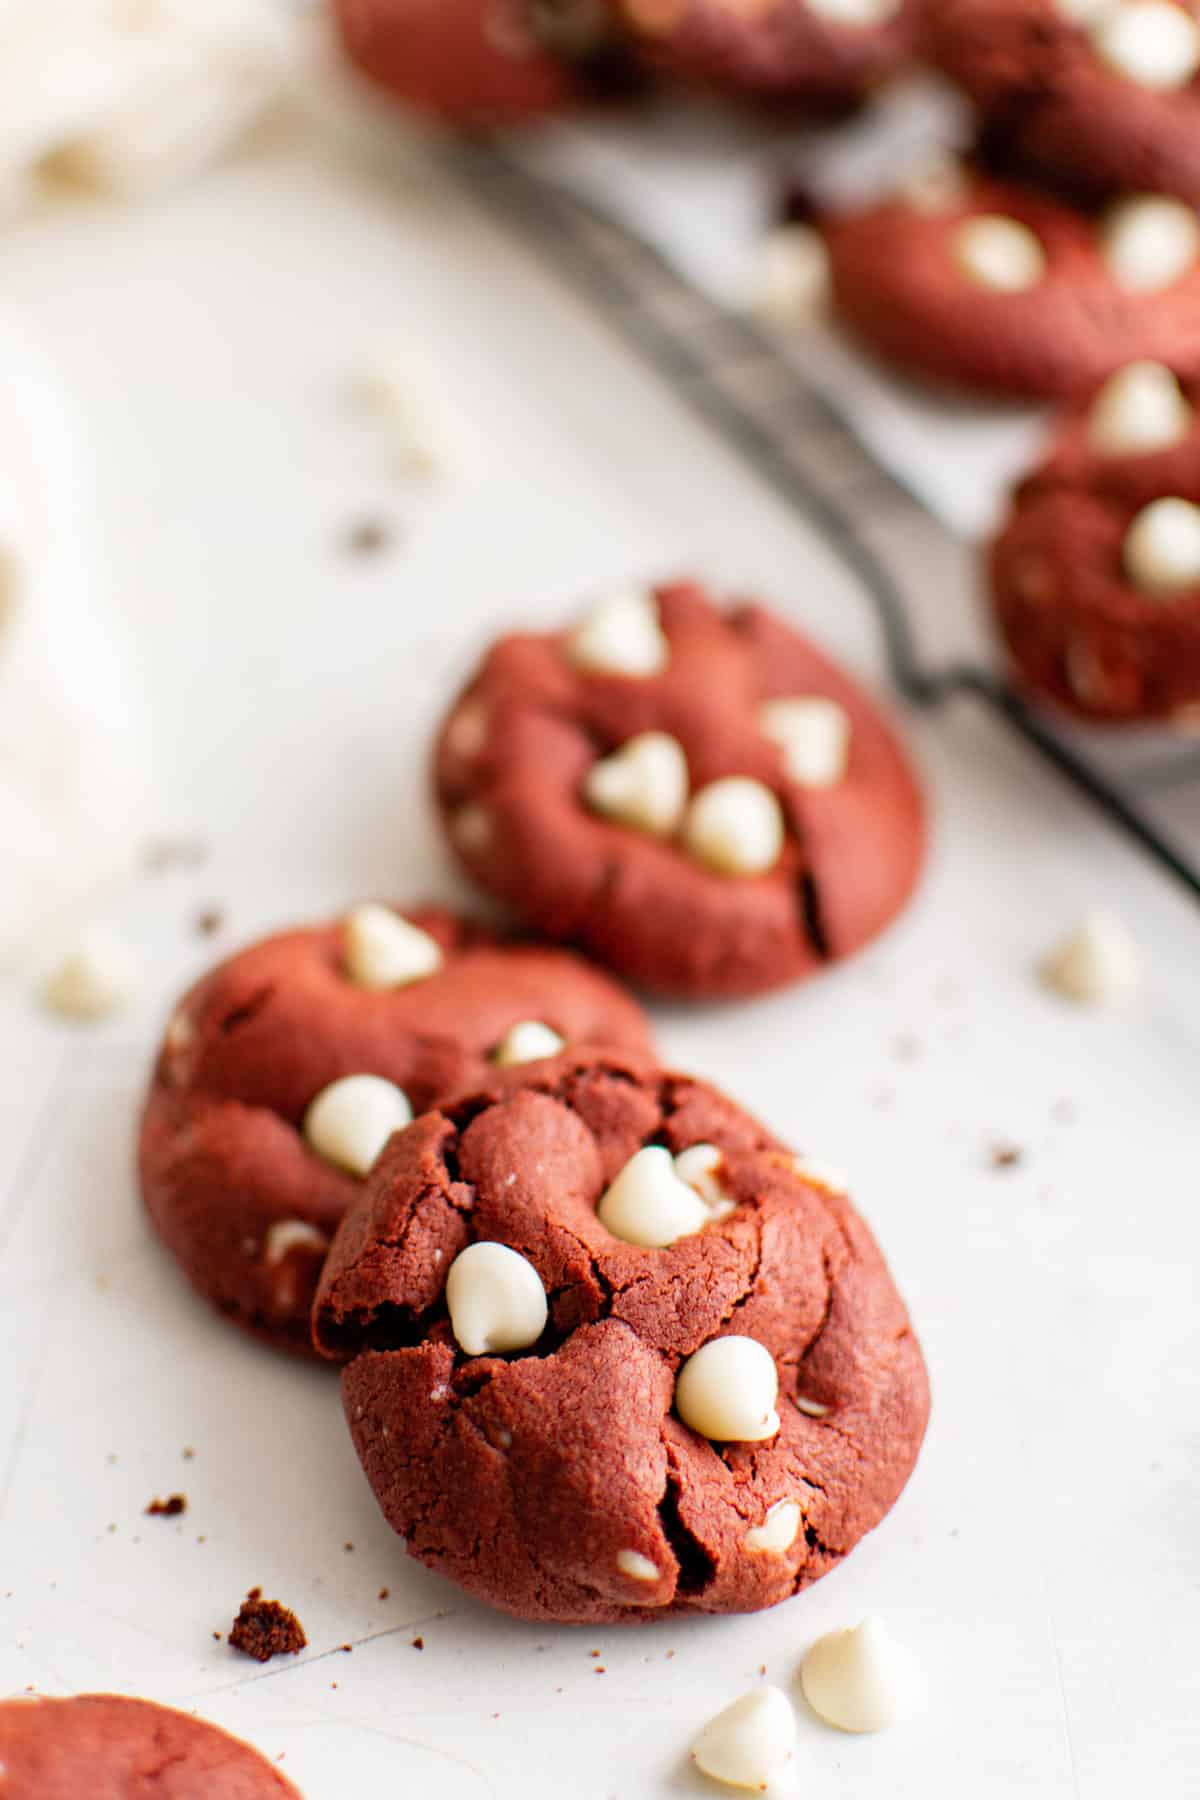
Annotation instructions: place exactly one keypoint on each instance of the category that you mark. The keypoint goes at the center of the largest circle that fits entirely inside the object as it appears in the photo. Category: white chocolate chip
(1162, 547)
(287, 1235)
(1151, 42)
(471, 829)
(467, 732)
(700, 1166)
(644, 784)
(351, 1120)
(855, 12)
(735, 827)
(751, 1743)
(403, 389)
(814, 736)
(1140, 408)
(1149, 242)
(815, 1409)
(385, 951)
(819, 1175)
(727, 1391)
(181, 1033)
(1096, 963)
(93, 982)
(647, 1204)
(999, 253)
(495, 1299)
(1084, 12)
(935, 184)
(637, 1566)
(527, 1041)
(621, 636)
(857, 1679)
(791, 279)
(777, 1532)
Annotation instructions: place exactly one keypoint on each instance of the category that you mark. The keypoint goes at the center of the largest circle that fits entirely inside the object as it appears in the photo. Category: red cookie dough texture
(475, 62)
(825, 51)
(559, 1481)
(108, 1747)
(1077, 624)
(1044, 82)
(230, 1179)
(1042, 315)
(516, 763)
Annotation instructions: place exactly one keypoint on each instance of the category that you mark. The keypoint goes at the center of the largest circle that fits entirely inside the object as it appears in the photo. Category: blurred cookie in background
(825, 52)
(485, 62)
(1103, 95)
(988, 283)
(1095, 577)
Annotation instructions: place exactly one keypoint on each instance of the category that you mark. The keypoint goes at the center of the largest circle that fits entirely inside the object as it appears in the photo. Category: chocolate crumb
(210, 920)
(418, 1643)
(170, 1508)
(264, 1628)
(346, 1647)
(1005, 1156)
(217, 1636)
(367, 537)
(347, 1545)
(384, 1592)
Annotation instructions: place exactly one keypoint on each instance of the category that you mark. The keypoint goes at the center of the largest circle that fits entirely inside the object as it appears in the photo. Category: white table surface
(1044, 1563)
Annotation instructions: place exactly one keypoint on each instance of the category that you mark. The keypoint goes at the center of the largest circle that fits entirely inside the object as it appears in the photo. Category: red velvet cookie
(1105, 97)
(826, 51)
(993, 285)
(108, 1747)
(479, 62)
(1096, 575)
(613, 1351)
(284, 1071)
(697, 797)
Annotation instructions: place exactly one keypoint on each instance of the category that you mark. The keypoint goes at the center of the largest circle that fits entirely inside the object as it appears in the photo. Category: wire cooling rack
(729, 373)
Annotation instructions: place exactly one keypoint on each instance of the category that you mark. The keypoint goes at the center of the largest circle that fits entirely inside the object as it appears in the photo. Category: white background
(1044, 1564)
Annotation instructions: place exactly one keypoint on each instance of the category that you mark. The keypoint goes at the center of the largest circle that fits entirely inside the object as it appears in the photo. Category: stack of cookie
(609, 1347)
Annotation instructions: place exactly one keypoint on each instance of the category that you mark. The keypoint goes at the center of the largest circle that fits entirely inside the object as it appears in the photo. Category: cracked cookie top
(286, 1068)
(694, 795)
(109, 1747)
(582, 1400)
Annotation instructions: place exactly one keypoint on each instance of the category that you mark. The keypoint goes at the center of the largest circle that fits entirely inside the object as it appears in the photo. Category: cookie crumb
(384, 1593)
(367, 537)
(170, 1508)
(347, 1545)
(210, 920)
(216, 1637)
(188, 1453)
(264, 1628)
(1005, 1156)
(346, 1647)
(418, 1643)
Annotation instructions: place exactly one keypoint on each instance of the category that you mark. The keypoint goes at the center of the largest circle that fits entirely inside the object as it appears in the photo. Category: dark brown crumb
(1005, 1156)
(367, 537)
(210, 920)
(170, 1508)
(347, 1545)
(161, 854)
(264, 1628)
(593, 1653)
(418, 1643)
(346, 1647)
(217, 1636)
(599, 1669)
(384, 1592)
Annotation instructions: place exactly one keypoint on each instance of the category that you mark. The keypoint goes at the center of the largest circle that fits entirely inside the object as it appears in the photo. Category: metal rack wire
(724, 368)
